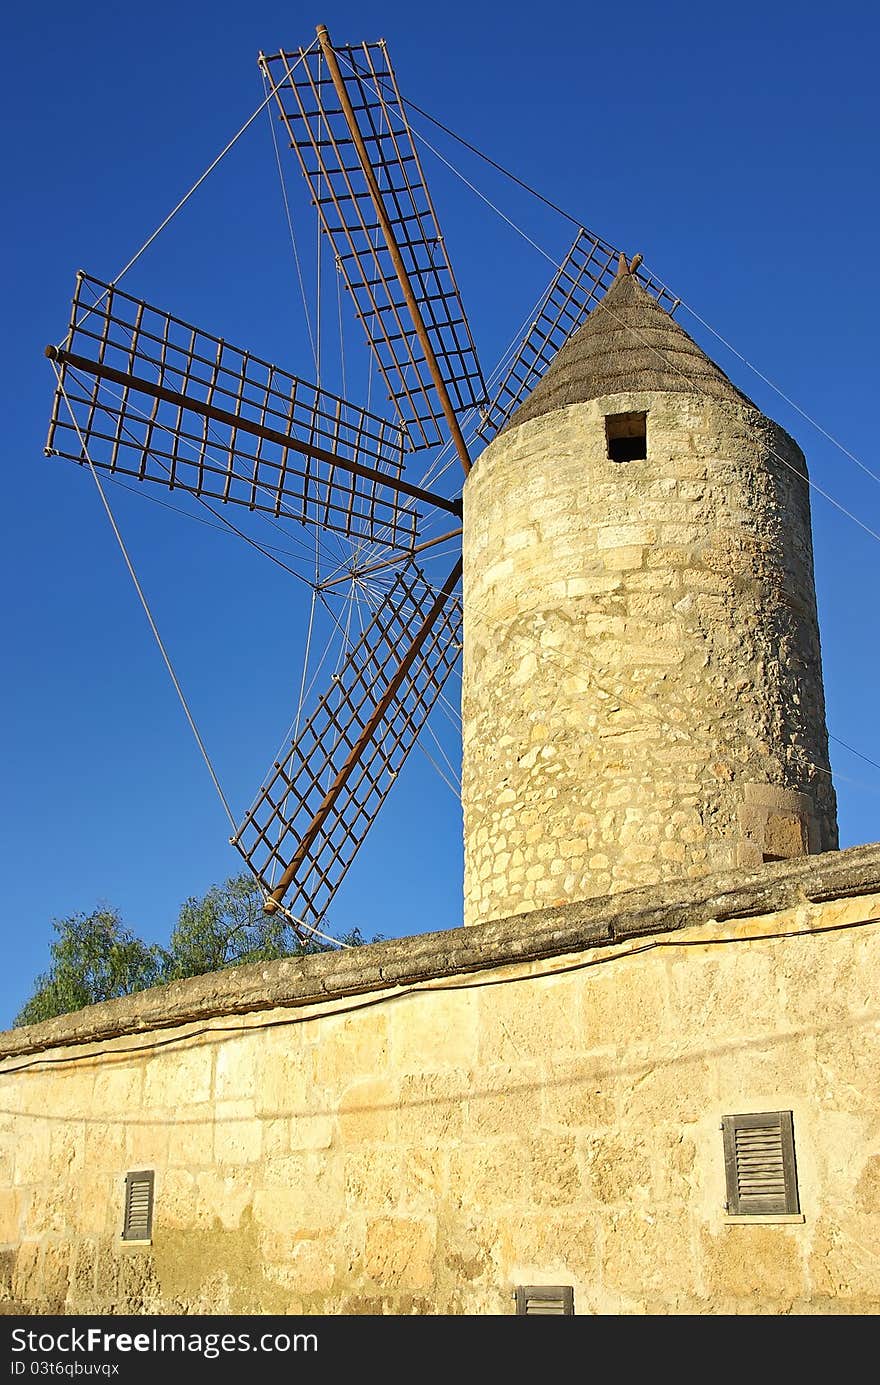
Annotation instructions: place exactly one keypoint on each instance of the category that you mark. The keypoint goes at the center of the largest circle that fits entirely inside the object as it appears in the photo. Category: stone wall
(642, 676)
(419, 1126)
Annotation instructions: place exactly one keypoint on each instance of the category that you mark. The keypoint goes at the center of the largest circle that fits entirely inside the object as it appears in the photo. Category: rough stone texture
(642, 676)
(546, 933)
(543, 1108)
(627, 343)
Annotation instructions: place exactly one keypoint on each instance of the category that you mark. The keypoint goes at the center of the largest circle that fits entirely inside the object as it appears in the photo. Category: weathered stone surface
(548, 932)
(576, 1096)
(237, 1142)
(82, 1273)
(399, 1253)
(54, 1270)
(843, 1262)
(106, 1141)
(117, 1088)
(646, 1259)
(166, 1073)
(368, 1111)
(431, 1107)
(10, 1202)
(648, 663)
(550, 1247)
(867, 1192)
(569, 1135)
(753, 1261)
(223, 1198)
(191, 1144)
(507, 1096)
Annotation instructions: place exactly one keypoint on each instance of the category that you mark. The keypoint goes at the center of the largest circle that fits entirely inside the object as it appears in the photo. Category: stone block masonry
(642, 674)
(419, 1126)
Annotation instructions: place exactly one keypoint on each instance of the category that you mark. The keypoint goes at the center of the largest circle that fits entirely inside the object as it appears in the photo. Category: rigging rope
(772, 450)
(341, 335)
(196, 185)
(853, 751)
(234, 475)
(452, 168)
(301, 923)
(302, 686)
(299, 274)
(576, 222)
(432, 470)
(293, 730)
(780, 392)
(168, 664)
(455, 782)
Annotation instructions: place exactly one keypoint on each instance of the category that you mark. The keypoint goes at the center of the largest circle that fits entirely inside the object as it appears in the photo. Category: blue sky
(735, 149)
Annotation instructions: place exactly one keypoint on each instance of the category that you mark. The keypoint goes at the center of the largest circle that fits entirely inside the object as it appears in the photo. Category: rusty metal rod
(393, 248)
(374, 312)
(389, 562)
(244, 425)
(325, 807)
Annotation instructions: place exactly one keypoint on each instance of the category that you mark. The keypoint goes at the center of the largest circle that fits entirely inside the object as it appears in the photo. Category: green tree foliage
(95, 957)
(228, 926)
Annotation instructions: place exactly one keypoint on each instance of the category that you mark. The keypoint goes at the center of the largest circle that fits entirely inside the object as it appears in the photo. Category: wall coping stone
(530, 937)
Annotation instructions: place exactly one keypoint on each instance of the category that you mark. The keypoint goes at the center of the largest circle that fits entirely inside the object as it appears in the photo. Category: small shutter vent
(542, 1299)
(759, 1164)
(138, 1222)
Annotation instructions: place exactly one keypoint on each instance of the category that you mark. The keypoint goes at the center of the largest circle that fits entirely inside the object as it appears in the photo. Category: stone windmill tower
(642, 683)
(642, 677)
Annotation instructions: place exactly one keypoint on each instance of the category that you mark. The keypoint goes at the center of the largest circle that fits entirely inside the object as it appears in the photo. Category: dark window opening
(759, 1164)
(137, 1223)
(627, 437)
(543, 1299)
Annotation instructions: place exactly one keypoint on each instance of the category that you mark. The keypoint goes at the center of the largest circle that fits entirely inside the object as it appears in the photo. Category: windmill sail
(158, 399)
(346, 192)
(316, 805)
(583, 278)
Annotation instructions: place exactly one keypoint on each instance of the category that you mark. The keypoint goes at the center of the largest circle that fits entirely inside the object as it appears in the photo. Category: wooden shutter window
(138, 1221)
(543, 1299)
(759, 1164)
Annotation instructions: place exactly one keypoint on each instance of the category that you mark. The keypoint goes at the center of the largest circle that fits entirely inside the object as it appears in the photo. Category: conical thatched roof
(628, 343)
